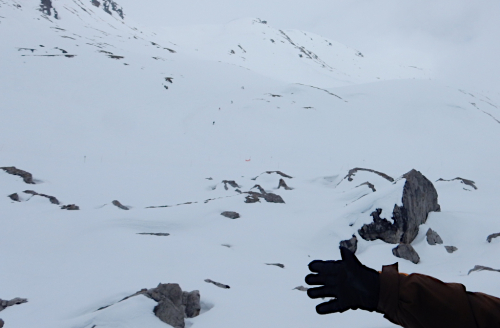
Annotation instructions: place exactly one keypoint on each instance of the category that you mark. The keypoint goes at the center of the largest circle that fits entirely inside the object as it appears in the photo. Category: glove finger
(333, 306)
(322, 266)
(349, 258)
(317, 279)
(320, 292)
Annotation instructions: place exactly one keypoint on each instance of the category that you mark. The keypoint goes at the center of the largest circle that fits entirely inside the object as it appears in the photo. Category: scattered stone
(231, 215)
(350, 244)
(5, 304)
(451, 249)
(27, 177)
(464, 181)
(482, 268)
(161, 234)
(253, 197)
(490, 237)
(419, 199)
(407, 252)
(262, 191)
(1, 323)
(273, 198)
(232, 183)
(14, 197)
(277, 264)
(433, 238)
(226, 245)
(52, 199)
(119, 205)
(283, 184)
(353, 172)
(218, 284)
(70, 207)
(301, 288)
(280, 173)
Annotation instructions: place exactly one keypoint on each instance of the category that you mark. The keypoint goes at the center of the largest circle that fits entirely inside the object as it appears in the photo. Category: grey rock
(451, 249)
(230, 214)
(262, 191)
(27, 177)
(191, 303)
(1, 323)
(70, 207)
(301, 288)
(273, 198)
(490, 237)
(353, 172)
(160, 234)
(119, 205)
(277, 264)
(464, 181)
(369, 185)
(253, 197)
(14, 197)
(350, 244)
(218, 284)
(406, 252)
(433, 238)
(419, 199)
(171, 314)
(283, 184)
(52, 199)
(280, 173)
(5, 303)
(232, 183)
(482, 268)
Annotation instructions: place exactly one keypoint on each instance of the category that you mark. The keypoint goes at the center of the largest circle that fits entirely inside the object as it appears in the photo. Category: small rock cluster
(27, 177)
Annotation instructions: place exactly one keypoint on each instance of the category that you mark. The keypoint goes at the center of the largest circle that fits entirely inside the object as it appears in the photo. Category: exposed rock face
(218, 284)
(70, 207)
(350, 244)
(191, 303)
(119, 205)
(352, 173)
(419, 199)
(273, 198)
(5, 304)
(231, 215)
(464, 181)
(173, 304)
(52, 199)
(14, 197)
(46, 7)
(232, 183)
(490, 237)
(433, 238)
(451, 249)
(481, 268)
(27, 177)
(269, 197)
(109, 6)
(406, 252)
(283, 184)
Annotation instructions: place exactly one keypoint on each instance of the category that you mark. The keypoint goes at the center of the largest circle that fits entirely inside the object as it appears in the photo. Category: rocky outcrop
(14, 197)
(52, 199)
(5, 304)
(230, 214)
(269, 197)
(27, 177)
(282, 184)
(407, 252)
(1, 323)
(433, 238)
(462, 180)
(353, 172)
(350, 244)
(494, 235)
(481, 268)
(119, 205)
(273, 198)
(451, 249)
(46, 7)
(218, 284)
(419, 199)
(109, 6)
(70, 207)
(274, 172)
(232, 183)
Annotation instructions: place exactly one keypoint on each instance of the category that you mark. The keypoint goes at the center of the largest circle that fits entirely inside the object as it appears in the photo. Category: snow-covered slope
(100, 110)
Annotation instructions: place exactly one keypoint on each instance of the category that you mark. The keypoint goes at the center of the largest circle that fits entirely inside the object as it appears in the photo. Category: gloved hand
(353, 285)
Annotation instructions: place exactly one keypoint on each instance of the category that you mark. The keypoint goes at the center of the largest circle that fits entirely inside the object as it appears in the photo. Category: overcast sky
(459, 40)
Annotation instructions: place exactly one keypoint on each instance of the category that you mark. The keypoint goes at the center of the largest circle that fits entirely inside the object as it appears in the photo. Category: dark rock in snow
(352, 173)
(280, 173)
(14, 197)
(5, 304)
(482, 268)
(277, 264)
(451, 249)
(301, 288)
(119, 205)
(406, 252)
(490, 237)
(191, 303)
(160, 234)
(370, 185)
(52, 199)
(273, 198)
(464, 181)
(96, 3)
(433, 238)
(419, 199)
(27, 177)
(70, 207)
(252, 198)
(109, 5)
(232, 183)
(46, 7)
(350, 244)
(231, 215)
(262, 191)
(284, 185)
(218, 284)
(169, 308)
(1, 323)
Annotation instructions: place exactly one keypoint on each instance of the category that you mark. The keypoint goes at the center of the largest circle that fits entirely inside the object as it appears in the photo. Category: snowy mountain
(100, 109)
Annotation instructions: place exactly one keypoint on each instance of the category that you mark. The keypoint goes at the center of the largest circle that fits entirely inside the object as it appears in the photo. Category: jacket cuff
(389, 291)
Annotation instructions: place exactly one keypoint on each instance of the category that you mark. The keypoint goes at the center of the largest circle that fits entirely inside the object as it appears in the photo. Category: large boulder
(406, 252)
(419, 199)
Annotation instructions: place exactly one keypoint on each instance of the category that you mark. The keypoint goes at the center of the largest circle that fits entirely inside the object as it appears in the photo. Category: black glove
(353, 285)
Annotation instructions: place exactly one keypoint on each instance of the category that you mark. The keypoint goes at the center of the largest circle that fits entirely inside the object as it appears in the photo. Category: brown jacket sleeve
(419, 301)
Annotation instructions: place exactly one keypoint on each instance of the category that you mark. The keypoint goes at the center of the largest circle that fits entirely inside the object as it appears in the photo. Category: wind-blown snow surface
(145, 118)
